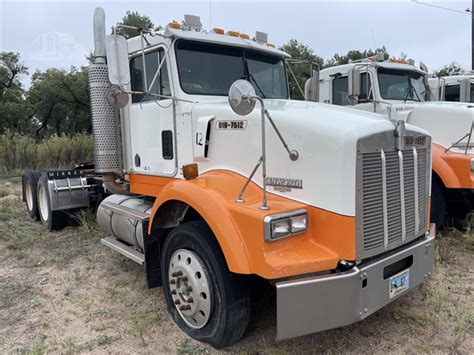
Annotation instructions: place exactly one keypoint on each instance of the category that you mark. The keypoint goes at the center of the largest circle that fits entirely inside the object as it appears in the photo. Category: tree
(15, 113)
(300, 51)
(352, 55)
(133, 18)
(61, 100)
(448, 70)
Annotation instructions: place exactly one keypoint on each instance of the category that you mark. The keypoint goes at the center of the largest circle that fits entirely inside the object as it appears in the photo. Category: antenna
(210, 15)
(373, 38)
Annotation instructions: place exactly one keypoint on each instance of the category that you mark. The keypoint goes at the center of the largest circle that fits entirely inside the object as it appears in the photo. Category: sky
(59, 33)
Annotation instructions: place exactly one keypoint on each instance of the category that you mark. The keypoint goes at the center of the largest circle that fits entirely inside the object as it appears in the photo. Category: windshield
(397, 84)
(210, 69)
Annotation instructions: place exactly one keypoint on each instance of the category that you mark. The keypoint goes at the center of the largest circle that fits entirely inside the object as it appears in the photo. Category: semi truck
(455, 88)
(398, 90)
(208, 175)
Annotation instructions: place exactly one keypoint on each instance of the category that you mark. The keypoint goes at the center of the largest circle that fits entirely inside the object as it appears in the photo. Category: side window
(339, 90)
(452, 92)
(365, 87)
(161, 86)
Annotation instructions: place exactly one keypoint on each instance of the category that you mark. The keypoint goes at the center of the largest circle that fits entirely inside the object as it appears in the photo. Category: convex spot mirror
(241, 95)
(117, 58)
(116, 97)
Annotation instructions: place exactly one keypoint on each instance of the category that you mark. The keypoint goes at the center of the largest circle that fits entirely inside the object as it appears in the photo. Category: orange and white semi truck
(399, 90)
(209, 176)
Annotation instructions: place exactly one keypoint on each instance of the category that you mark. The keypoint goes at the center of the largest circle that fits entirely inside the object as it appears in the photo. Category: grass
(33, 245)
(185, 347)
(19, 152)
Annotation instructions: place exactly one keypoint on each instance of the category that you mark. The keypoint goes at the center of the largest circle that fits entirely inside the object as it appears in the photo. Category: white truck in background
(399, 91)
(214, 183)
(455, 88)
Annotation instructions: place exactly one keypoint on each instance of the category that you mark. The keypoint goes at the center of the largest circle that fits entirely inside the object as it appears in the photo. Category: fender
(239, 228)
(454, 169)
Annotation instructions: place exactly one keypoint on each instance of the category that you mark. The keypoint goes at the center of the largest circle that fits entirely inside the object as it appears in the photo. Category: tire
(220, 307)
(438, 205)
(52, 220)
(30, 185)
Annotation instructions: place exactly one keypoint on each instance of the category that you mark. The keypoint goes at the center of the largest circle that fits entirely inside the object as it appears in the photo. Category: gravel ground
(63, 292)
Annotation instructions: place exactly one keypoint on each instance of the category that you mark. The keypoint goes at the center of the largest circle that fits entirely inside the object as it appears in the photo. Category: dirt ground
(64, 292)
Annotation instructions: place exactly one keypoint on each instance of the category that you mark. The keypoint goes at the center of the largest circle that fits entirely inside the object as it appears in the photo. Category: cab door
(152, 128)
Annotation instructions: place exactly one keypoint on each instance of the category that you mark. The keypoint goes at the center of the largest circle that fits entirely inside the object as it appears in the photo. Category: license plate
(399, 283)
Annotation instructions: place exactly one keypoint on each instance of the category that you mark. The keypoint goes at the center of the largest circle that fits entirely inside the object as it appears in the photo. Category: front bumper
(319, 303)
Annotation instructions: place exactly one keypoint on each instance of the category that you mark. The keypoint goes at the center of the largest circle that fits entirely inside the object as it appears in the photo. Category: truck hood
(447, 122)
(325, 137)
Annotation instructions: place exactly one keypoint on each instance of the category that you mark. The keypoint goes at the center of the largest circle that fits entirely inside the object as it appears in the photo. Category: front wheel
(206, 300)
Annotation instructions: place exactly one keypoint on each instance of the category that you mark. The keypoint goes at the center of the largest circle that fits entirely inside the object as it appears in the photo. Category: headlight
(472, 164)
(285, 224)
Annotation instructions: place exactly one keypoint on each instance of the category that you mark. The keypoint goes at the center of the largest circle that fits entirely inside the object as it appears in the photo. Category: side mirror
(117, 59)
(353, 90)
(465, 91)
(311, 88)
(241, 97)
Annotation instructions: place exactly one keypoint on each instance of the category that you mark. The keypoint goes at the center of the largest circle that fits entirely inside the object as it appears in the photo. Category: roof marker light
(244, 36)
(175, 25)
(233, 33)
(218, 31)
(271, 45)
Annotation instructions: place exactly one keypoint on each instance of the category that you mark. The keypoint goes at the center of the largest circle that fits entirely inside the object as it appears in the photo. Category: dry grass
(19, 153)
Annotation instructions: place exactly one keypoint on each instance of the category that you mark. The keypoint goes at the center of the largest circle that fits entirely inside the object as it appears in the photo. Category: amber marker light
(218, 31)
(174, 25)
(244, 36)
(233, 33)
(190, 171)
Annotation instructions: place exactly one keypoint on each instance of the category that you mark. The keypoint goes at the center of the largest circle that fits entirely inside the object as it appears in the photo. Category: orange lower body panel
(239, 227)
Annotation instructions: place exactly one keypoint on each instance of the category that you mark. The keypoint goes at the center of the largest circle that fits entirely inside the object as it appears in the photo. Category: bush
(19, 152)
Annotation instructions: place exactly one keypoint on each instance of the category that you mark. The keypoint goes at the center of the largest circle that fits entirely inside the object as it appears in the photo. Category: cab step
(124, 249)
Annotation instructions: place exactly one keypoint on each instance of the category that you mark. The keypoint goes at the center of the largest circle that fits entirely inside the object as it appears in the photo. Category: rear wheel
(52, 220)
(206, 300)
(438, 205)
(30, 184)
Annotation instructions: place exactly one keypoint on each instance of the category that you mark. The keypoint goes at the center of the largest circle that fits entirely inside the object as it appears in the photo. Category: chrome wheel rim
(43, 203)
(29, 196)
(189, 287)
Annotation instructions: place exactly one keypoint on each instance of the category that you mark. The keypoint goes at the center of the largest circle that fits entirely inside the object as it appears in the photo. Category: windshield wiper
(252, 78)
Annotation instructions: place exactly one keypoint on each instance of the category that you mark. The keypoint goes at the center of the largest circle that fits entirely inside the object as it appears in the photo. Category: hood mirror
(241, 97)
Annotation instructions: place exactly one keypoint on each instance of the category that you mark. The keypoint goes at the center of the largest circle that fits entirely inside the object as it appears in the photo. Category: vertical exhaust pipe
(105, 118)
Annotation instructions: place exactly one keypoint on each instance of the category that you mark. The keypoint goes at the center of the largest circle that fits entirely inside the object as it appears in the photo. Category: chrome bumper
(319, 303)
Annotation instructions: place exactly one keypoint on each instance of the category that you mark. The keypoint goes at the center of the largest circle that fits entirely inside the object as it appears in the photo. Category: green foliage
(133, 18)
(339, 59)
(14, 109)
(301, 71)
(61, 100)
(20, 152)
(448, 70)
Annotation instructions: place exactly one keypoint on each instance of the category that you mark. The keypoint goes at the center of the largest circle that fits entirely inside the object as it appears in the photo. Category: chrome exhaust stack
(105, 118)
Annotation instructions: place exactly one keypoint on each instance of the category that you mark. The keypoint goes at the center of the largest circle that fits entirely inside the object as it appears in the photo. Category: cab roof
(154, 38)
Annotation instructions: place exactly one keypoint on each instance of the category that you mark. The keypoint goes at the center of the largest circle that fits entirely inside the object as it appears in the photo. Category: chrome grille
(394, 194)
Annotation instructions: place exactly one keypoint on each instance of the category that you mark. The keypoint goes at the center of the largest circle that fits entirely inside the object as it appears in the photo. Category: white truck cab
(399, 90)
(456, 88)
